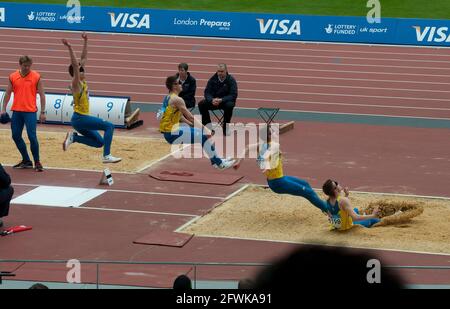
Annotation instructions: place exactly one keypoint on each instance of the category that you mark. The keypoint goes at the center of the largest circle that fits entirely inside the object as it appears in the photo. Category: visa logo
(275, 26)
(2, 15)
(126, 20)
(432, 34)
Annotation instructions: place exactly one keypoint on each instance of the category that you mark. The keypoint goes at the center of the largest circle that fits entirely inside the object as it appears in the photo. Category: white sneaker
(110, 159)
(68, 141)
(226, 164)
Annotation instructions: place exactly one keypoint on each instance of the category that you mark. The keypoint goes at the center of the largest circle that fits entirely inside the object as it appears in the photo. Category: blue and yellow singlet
(81, 100)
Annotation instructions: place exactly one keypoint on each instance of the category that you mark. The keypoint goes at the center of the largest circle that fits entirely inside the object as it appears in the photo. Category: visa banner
(226, 25)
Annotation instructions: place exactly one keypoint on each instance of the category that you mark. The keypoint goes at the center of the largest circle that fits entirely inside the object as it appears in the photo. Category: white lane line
(276, 45)
(246, 89)
(138, 211)
(162, 77)
(206, 51)
(162, 159)
(190, 222)
(140, 192)
(383, 193)
(266, 73)
(321, 244)
(289, 101)
(243, 188)
(75, 169)
(281, 101)
(232, 59)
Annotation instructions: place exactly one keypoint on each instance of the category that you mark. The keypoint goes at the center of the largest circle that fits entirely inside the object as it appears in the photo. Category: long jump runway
(381, 81)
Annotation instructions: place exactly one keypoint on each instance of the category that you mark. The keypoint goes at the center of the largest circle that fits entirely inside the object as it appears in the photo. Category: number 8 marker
(57, 104)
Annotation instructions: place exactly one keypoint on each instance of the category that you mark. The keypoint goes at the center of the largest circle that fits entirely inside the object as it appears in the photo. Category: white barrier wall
(59, 108)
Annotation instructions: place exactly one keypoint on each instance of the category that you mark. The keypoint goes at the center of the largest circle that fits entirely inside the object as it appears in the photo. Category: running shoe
(68, 141)
(23, 165)
(38, 166)
(226, 164)
(110, 159)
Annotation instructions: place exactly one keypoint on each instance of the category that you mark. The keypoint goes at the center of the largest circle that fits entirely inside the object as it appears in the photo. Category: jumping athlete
(341, 215)
(86, 125)
(177, 124)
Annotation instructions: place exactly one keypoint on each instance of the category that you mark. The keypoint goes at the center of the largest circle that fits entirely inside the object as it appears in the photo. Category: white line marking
(321, 244)
(346, 87)
(252, 81)
(403, 195)
(236, 192)
(356, 114)
(76, 169)
(190, 222)
(300, 102)
(196, 72)
(140, 192)
(280, 101)
(138, 211)
(306, 43)
(266, 73)
(206, 51)
(161, 159)
(233, 59)
(380, 193)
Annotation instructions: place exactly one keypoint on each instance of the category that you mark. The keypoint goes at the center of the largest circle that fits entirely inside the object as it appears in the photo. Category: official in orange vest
(25, 84)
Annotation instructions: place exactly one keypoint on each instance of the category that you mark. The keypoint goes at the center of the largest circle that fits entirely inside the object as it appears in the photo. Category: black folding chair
(5, 274)
(220, 116)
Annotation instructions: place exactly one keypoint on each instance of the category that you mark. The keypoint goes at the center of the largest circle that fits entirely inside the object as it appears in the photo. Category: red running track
(382, 80)
(401, 81)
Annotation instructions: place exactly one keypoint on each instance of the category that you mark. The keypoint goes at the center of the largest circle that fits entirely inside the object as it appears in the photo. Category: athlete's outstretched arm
(84, 53)
(345, 204)
(74, 63)
(181, 106)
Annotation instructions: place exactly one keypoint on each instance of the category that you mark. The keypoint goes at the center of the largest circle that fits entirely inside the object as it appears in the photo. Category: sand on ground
(136, 152)
(258, 213)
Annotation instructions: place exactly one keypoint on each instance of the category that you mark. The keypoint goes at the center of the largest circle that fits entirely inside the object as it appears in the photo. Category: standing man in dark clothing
(6, 193)
(188, 84)
(220, 93)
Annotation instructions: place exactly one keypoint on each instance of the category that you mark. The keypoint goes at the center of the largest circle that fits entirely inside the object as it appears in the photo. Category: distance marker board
(59, 109)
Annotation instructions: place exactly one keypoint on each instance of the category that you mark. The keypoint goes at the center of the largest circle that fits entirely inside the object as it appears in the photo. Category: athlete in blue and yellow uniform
(86, 125)
(341, 214)
(338, 208)
(177, 125)
(270, 161)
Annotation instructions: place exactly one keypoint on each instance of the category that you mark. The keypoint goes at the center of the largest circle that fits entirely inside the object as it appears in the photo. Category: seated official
(221, 92)
(188, 85)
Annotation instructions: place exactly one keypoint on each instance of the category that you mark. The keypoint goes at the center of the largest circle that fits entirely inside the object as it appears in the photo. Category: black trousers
(205, 107)
(5, 198)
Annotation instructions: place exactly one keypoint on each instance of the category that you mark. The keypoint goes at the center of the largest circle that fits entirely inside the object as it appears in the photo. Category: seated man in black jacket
(220, 93)
(6, 193)
(188, 84)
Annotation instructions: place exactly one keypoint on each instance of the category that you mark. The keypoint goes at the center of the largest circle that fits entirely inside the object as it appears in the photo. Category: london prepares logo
(126, 20)
(280, 27)
(432, 34)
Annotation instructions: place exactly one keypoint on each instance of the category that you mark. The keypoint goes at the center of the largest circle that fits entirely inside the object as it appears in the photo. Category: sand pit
(258, 213)
(136, 152)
